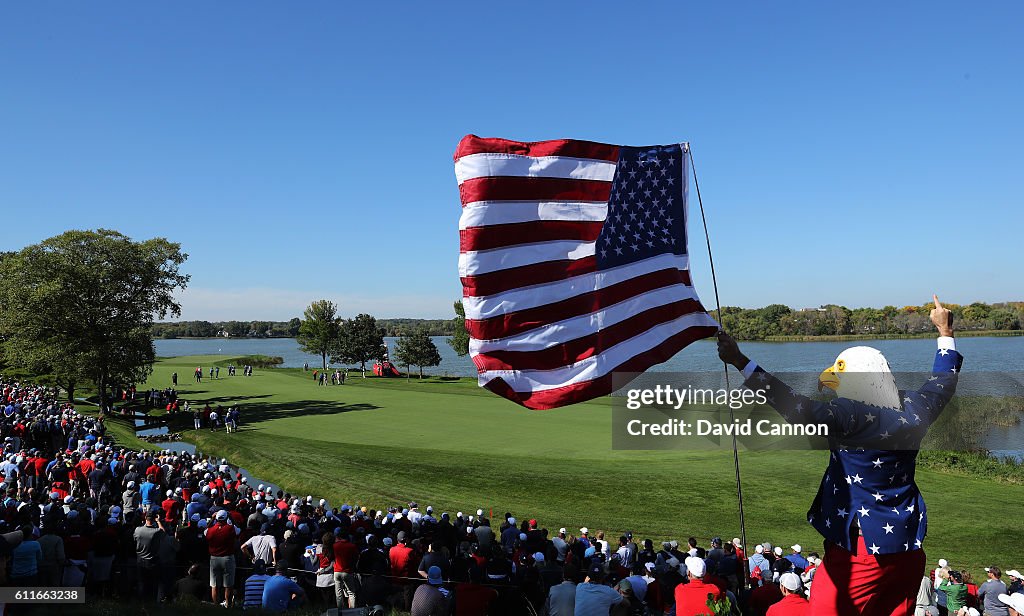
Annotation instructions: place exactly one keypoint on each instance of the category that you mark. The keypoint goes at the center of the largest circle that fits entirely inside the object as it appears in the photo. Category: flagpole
(718, 309)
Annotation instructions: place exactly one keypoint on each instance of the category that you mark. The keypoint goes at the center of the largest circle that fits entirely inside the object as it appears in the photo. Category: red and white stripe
(547, 328)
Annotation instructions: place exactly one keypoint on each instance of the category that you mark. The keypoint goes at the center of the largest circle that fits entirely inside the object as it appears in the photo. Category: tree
(417, 349)
(360, 341)
(319, 330)
(83, 304)
(459, 340)
(293, 326)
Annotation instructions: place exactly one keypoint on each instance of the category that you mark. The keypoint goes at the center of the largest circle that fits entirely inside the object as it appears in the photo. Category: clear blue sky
(862, 154)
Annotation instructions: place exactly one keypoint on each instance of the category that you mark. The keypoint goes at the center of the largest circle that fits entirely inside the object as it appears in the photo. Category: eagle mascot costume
(868, 507)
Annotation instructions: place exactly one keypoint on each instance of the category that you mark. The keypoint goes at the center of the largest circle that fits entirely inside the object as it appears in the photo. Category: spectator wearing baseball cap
(793, 602)
(988, 593)
(956, 591)
(222, 542)
(797, 558)
(692, 599)
(431, 598)
(1016, 584)
(592, 596)
(1014, 603)
(759, 566)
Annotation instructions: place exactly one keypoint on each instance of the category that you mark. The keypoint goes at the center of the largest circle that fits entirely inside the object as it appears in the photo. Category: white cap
(759, 549)
(972, 611)
(736, 541)
(222, 514)
(538, 557)
(479, 512)
(943, 563)
(1014, 573)
(522, 536)
(778, 551)
(695, 566)
(790, 581)
(458, 515)
(512, 521)
(561, 531)
(170, 492)
(796, 548)
(1016, 601)
(584, 530)
(649, 566)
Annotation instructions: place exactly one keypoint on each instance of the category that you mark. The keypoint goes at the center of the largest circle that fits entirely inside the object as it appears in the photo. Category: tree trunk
(408, 372)
(362, 368)
(70, 388)
(323, 356)
(421, 373)
(103, 391)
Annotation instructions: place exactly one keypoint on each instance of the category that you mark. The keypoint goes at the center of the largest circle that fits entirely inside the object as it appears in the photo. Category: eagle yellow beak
(828, 379)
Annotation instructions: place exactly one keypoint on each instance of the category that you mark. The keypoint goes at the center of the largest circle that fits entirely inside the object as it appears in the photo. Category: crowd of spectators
(171, 527)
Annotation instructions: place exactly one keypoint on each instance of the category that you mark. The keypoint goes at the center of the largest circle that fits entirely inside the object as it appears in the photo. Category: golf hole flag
(573, 262)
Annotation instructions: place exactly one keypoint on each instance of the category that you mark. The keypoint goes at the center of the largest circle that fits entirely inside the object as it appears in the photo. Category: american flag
(574, 265)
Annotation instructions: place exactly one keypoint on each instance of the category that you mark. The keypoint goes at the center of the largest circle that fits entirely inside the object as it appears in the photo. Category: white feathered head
(862, 374)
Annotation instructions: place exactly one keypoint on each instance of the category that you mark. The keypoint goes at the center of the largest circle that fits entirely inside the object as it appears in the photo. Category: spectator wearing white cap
(692, 599)
(988, 593)
(561, 546)
(797, 558)
(222, 542)
(793, 602)
(509, 536)
(1016, 584)
(584, 537)
(1014, 603)
(759, 566)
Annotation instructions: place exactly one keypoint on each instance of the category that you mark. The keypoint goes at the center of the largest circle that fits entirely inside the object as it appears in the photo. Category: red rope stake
(718, 308)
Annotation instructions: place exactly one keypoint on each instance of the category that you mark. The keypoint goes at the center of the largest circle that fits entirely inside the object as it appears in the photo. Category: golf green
(447, 443)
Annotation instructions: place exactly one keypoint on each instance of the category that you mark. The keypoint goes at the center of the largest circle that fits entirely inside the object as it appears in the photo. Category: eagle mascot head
(862, 374)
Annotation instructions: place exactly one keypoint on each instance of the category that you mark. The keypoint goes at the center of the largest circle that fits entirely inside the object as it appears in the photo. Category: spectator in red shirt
(792, 603)
(172, 508)
(346, 582)
(692, 599)
(401, 557)
(222, 542)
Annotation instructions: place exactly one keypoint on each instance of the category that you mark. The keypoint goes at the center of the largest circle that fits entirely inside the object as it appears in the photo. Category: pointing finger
(937, 304)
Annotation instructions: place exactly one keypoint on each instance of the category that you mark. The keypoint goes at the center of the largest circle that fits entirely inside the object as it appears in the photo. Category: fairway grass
(447, 443)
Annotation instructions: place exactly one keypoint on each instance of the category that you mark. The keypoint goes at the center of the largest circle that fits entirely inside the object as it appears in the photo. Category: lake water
(988, 363)
(982, 354)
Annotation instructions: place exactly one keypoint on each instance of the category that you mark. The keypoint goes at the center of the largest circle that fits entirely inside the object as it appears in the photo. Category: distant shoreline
(987, 333)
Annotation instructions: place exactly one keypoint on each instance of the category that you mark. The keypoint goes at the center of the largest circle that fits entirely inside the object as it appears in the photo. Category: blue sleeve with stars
(937, 391)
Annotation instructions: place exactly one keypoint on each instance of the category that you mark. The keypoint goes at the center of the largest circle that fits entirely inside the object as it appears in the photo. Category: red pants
(859, 584)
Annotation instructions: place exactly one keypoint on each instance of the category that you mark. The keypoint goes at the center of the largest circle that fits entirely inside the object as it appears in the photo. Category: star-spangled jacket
(870, 476)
